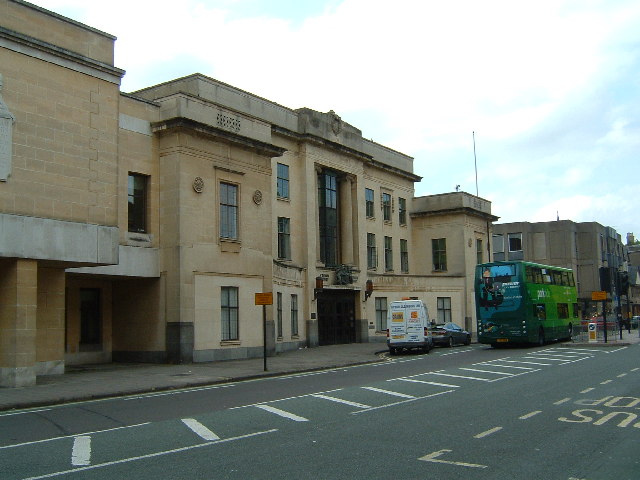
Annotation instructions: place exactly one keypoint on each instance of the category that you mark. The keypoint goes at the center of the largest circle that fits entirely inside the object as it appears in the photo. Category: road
(538, 413)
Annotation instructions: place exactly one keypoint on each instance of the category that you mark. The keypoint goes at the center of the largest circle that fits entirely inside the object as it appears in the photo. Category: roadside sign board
(264, 298)
(598, 296)
(593, 336)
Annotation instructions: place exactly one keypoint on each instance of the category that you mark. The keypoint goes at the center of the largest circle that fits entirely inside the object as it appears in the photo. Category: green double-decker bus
(524, 302)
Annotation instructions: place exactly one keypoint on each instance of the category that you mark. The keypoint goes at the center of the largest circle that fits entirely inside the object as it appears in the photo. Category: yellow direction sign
(598, 296)
(264, 298)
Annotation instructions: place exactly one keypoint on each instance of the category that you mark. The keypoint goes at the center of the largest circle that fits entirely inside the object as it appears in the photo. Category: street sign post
(264, 299)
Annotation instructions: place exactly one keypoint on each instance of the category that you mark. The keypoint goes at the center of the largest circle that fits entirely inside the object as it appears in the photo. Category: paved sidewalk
(115, 379)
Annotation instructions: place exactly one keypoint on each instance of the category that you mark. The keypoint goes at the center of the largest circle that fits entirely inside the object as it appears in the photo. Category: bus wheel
(570, 337)
(541, 337)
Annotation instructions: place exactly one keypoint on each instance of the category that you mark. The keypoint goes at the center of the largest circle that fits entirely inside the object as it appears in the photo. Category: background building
(584, 247)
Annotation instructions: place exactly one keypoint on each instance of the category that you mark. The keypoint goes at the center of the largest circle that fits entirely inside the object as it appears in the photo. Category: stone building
(139, 226)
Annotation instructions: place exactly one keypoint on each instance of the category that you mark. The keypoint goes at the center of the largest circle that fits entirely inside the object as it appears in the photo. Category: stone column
(18, 311)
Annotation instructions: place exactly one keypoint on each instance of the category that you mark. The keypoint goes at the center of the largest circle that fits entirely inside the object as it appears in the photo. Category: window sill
(230, 343)
(230, 245)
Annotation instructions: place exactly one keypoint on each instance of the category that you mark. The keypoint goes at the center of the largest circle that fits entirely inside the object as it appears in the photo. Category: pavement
(89, 382)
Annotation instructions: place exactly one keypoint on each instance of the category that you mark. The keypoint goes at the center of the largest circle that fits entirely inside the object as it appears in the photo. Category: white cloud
(550, 87)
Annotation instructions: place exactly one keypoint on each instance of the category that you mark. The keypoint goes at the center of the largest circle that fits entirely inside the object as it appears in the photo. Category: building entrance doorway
(336, 317)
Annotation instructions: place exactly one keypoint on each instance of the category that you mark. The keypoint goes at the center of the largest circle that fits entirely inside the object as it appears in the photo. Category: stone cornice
(337, 147)
(452, 211)
(261, 148)
(48, 52)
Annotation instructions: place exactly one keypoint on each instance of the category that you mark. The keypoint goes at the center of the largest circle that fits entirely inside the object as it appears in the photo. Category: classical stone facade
(139, 226)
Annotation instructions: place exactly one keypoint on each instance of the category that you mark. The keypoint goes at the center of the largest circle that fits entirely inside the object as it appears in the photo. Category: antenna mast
(475, 161)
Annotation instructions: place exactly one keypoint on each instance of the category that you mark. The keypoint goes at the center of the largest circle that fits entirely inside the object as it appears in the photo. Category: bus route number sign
(598, 296)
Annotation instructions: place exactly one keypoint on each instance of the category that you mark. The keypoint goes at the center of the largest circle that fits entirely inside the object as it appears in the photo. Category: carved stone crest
(198, 184)
(344, 275)
(336, 122)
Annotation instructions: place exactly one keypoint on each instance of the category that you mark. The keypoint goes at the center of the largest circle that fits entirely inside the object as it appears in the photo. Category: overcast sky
(551, 88)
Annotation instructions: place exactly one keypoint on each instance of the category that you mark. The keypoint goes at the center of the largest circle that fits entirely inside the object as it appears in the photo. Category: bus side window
(540, 312)
(563, 310)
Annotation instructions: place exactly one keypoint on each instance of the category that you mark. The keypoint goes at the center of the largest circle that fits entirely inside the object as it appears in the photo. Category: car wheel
(450, 342)
(468, 340)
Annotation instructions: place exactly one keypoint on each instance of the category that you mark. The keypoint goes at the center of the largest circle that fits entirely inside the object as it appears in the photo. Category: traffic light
(623, 278)
(605, 279)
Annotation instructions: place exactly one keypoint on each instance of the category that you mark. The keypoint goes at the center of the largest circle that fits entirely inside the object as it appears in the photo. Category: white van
(408, 326)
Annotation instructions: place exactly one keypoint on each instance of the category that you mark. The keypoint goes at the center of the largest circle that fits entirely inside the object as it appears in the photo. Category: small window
(444, 309)
(381, 314)
(402, 211)
(369, 205)
(540, 311)
(515, 242)
(229, 313)
(388, 254)
(386, 207)
(404, 256)
(294, 315)
(372, 254)
(228, 211)
(479, 251)
(498, 243)
(284, 238)
(137, 200)
(439, 254)
(279, 314)
(283, 181)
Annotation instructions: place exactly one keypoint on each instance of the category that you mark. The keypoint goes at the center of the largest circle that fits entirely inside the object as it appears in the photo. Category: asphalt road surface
(467, 412)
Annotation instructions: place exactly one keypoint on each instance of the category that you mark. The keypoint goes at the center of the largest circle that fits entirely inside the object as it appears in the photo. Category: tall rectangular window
(386, 207)
(328, 217)
(498, 243)
(284, 239)
(404, 256)
(479, 255)
(439, 253)
(372, 253)
(279, 314)
(402, 211)
(388, 254)
(137, 200)
(283, 181)
(229, 312)
(90, 317)
(381, 314)
(368, 202)
(444, 309)
(228, 211)
(294, 315)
